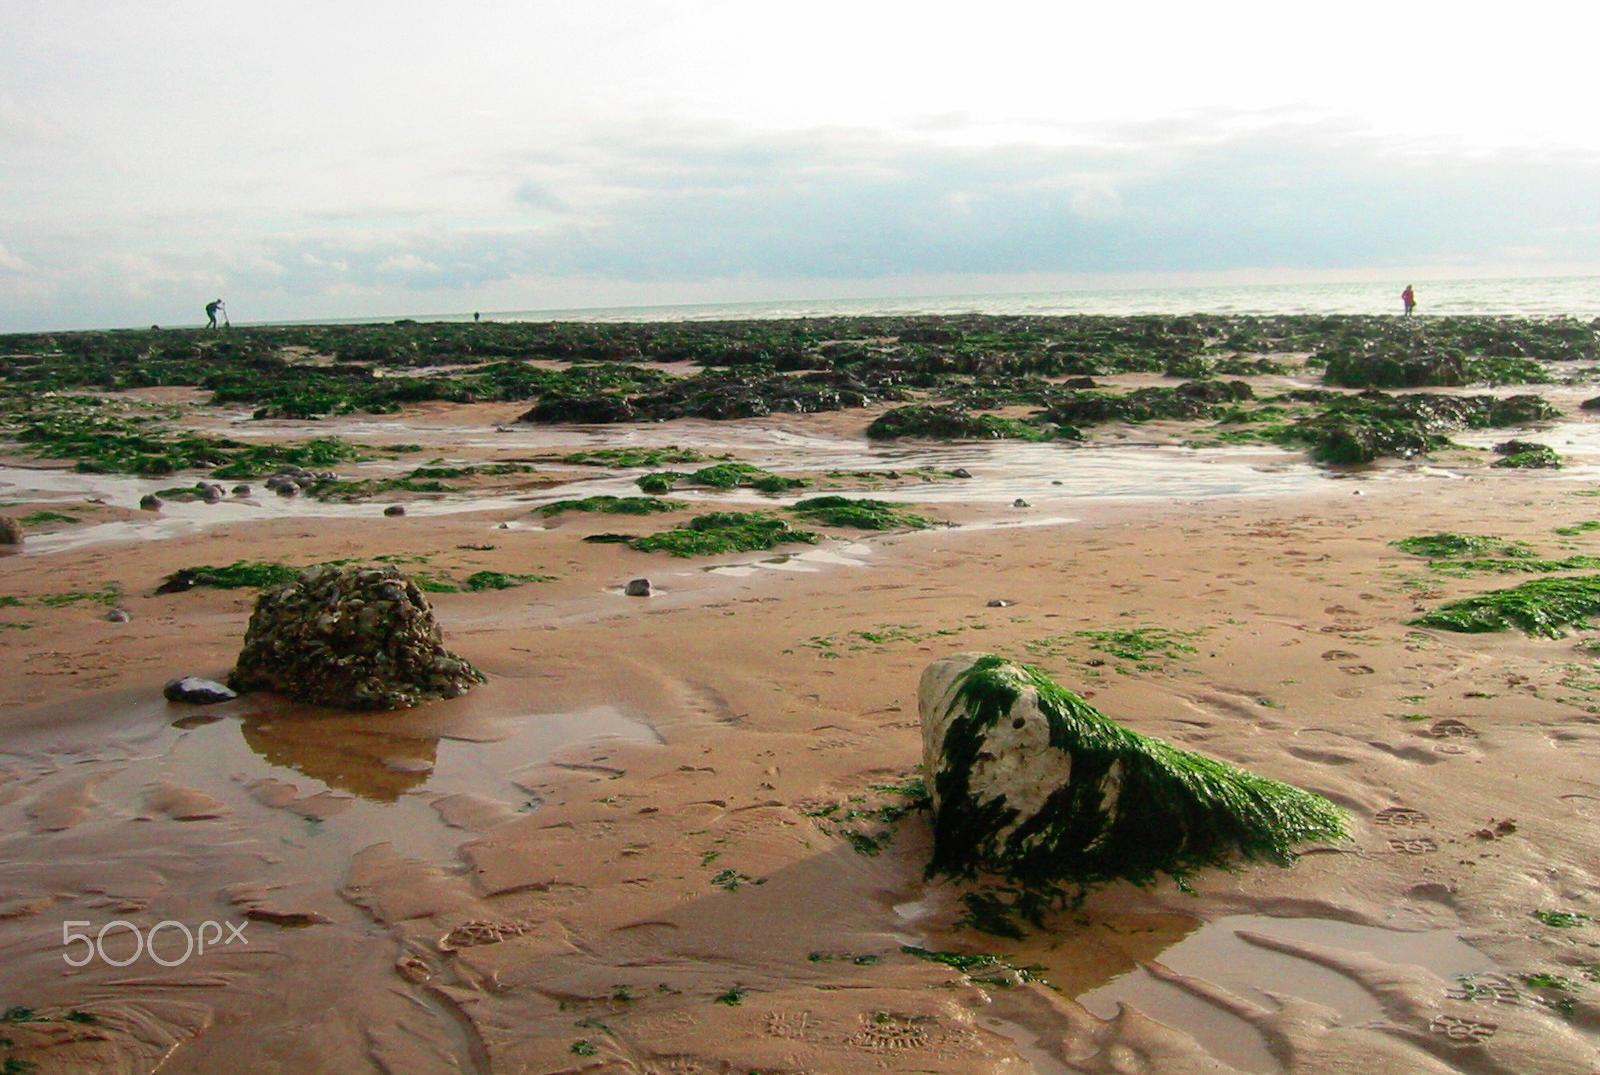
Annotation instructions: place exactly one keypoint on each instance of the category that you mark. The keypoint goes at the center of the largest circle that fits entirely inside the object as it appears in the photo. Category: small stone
(242, 490)
(10, 531)
(638, 588)
(961, 472)
(394, 510)
(1000, 602)
(287, 489)
(119, 615)
(1020, 503)
(149, 502)
(196, 691)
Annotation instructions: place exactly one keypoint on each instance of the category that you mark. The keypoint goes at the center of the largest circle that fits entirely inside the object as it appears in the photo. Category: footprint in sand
(1450, 728)
(881, 1031)
(1418, 845)
(1357, 669)
(1463, 1031)
(791, 1026)
(1495, 988)
(1401, 817)
(474, 934)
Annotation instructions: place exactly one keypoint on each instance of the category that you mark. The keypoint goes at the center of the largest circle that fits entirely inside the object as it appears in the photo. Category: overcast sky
(335, 159)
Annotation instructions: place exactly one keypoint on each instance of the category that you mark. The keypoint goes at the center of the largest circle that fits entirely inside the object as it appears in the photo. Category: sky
(335, 159)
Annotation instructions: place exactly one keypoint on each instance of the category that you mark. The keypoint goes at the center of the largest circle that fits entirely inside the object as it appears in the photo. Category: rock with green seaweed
(350, 637)
(859, 513)
(1526, 455)
(1359, 429)
(1030, 782)
(610, 505)
(241, 574)
(722, 532)
(1540, 607)
(954, 423)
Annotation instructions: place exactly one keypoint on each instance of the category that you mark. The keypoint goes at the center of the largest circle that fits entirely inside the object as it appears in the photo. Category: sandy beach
(654, 840)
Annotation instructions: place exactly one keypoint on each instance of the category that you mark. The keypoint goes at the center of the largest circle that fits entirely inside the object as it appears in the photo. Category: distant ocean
(1568, 296)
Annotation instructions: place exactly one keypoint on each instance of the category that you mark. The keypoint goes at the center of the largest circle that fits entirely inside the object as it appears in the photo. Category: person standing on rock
(1409, 298)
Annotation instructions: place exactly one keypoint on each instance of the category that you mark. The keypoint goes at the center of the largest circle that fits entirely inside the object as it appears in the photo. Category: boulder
(10, 531)
(196, 691)
(1029, 781)
(351, 637)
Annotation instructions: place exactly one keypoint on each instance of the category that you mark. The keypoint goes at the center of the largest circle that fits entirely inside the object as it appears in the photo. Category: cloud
(632, 206)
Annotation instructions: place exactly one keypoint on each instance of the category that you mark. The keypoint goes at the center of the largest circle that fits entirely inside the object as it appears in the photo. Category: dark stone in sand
(196, 691)
(150, 502)
(118, 615)
(10, 531)
(180, 580)
(638, 588)
(394, 510)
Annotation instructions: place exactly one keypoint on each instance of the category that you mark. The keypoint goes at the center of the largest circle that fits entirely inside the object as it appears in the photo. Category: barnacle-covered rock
(351, 637)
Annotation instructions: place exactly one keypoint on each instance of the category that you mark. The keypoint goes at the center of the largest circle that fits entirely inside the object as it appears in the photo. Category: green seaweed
(1450, 546)
(628, 458)
(858, 514)
(867, 822)
(499, 580)
(41, 518)
(1527, 455)
(1174, 811)
(1539, 607)
(241, 574)
(1562, 919)
(723, 532)
(611, 505)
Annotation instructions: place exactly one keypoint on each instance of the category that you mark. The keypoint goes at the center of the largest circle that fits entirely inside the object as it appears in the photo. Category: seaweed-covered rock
(1527, 455)
(953, 423)
(1361, 428)
(351, 637)
(1030, 781)
(10, 531)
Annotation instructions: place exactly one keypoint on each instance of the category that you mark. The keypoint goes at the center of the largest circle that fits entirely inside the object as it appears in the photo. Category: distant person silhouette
(476, 316)
(1409, 297)
(213, 308)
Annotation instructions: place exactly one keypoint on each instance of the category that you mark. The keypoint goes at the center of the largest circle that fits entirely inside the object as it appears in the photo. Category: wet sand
(619, 854)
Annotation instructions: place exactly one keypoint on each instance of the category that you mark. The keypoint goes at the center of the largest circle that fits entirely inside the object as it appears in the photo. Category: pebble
(197, 691)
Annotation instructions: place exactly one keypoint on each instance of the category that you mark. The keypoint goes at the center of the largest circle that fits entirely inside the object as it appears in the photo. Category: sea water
(1565, 296)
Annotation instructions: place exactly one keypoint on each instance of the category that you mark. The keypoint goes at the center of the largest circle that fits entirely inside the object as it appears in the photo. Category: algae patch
(1541, 607)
